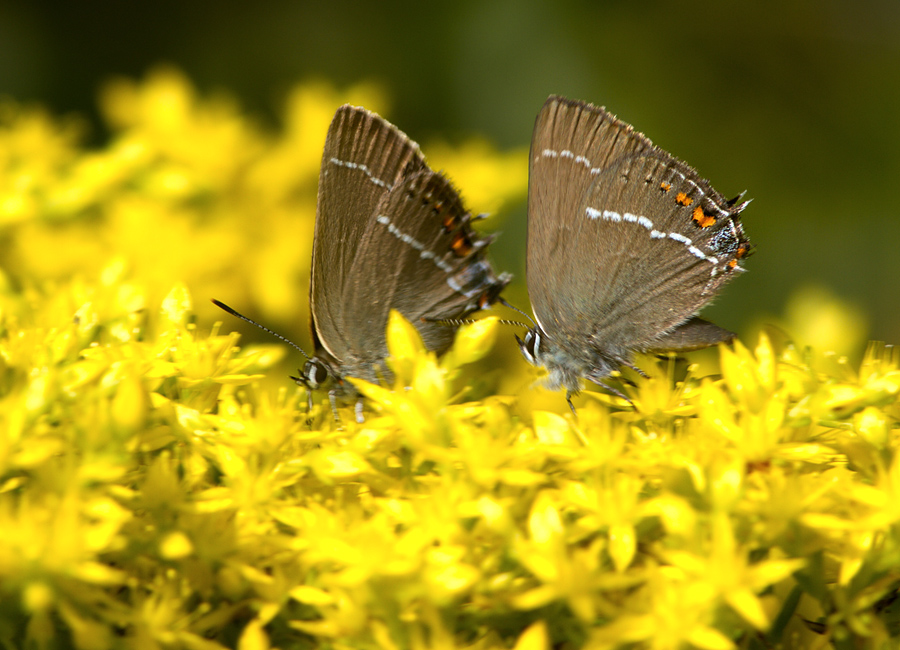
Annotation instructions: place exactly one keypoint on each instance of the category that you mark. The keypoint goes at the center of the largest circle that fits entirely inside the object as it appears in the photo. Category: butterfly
(391, 233)
(625, 244)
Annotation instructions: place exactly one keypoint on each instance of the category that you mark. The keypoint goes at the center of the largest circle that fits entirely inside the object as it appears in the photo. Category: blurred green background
(796, 102)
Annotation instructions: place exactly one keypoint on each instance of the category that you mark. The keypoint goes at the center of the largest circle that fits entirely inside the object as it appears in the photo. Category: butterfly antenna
(450, 322)
(222, 305)
(503, 302)
(457, 322)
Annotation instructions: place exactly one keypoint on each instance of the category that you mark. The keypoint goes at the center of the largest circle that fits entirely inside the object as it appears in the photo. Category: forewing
(364, 158)
(572, 143)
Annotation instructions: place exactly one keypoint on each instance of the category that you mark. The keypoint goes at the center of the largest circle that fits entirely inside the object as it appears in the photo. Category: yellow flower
(158, 482)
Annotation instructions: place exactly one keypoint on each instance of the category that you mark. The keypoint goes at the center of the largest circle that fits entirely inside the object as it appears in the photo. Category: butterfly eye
(315, 373)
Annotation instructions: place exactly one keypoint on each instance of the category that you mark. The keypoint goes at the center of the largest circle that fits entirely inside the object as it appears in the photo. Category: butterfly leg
(569, 400)
(643, 374)
(611, 389)
(332, 398)
(358, 409)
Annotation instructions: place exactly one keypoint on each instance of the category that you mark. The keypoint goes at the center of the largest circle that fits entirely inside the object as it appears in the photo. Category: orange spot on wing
(702, 219)
(461, 244)
(683, 199)
(665, 187)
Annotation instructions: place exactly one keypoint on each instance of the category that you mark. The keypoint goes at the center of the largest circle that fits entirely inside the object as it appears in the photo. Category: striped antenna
(222, 305)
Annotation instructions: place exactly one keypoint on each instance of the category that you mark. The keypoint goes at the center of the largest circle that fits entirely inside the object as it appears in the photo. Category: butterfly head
(314, 374)
(531, 345)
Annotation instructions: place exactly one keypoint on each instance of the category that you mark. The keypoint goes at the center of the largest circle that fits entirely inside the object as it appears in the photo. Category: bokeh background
(796, 102)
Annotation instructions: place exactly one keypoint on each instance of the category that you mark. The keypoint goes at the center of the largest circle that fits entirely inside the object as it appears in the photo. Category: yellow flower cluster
(155, 495)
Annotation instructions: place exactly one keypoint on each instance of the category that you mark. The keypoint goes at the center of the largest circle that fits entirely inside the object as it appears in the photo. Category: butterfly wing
(421, 257)
(669, 242)
(390, 234)
(363, 159)
(570, 145)
(618, 254)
